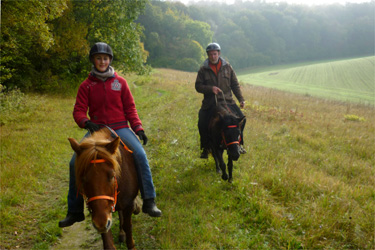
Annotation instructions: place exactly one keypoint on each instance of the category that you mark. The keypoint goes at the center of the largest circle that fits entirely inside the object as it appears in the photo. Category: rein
(122, 143)
(225, 102)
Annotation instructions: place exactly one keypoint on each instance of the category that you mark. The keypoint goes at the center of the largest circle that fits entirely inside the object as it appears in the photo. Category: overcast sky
(307, 2)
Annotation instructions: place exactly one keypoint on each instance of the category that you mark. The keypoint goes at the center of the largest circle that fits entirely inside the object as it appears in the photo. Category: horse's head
(97, 170)
(231, 134)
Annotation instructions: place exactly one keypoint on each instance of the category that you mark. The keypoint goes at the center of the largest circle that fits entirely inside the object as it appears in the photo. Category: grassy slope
(346, 80)
(307, 181)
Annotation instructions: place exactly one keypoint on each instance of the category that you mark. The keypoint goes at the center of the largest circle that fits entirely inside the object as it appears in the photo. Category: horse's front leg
(230, 168)
(220, 164)
(122, 232)
(108, 240)
(217, 162)
(127, 226)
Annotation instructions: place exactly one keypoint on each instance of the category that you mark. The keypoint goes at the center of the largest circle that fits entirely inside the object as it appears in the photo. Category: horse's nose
(103, 228)
(235, 153)
(236, 156)
(109, 224)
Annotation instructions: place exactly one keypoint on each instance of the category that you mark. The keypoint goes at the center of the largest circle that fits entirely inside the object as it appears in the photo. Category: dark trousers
(204, 117)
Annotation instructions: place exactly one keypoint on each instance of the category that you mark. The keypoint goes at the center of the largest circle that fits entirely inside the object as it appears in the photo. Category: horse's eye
(111, 177)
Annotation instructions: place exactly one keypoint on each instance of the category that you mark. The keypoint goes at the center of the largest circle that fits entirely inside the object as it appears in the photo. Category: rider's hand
(92, 127)
(242, 104)
(216, 90)
(142, 136)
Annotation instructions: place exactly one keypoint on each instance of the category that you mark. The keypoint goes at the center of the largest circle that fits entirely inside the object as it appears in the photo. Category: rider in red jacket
(107, 99)
(114, 104)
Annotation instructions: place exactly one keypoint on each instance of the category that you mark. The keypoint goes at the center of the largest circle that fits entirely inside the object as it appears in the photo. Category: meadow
(307, 181)
(350, 80)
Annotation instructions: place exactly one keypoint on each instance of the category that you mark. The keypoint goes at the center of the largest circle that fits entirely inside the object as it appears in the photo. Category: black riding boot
(71, 218)
(149, 207)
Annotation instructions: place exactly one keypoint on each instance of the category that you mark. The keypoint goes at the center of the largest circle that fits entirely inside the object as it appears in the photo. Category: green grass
(346, 80)
(305, 183)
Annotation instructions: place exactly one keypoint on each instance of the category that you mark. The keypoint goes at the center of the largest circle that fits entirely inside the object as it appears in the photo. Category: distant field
(346, 80)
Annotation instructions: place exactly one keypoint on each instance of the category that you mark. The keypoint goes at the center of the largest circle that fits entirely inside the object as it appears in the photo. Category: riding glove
(142, 136)
(92, 127)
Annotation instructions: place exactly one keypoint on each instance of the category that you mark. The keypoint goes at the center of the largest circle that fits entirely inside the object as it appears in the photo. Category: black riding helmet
(213, 46)
(101, 48)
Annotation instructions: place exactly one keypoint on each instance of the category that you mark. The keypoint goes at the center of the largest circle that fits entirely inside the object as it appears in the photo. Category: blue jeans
(146, 186)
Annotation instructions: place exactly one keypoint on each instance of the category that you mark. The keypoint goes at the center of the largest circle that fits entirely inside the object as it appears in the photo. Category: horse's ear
(221, 116)
(75, 145)
(112, 146)
(241, 121)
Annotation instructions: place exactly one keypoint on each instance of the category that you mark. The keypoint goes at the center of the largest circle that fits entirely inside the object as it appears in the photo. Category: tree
(113, 22)
(172, 38)
(45, 44)
(25, 35)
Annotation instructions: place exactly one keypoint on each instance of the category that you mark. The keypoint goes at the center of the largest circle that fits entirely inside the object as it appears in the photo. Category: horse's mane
(225, 113)
(93, 147)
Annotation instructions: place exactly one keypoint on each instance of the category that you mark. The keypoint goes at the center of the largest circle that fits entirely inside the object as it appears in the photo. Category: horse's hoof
(121, 238)
(224, 177)
(218, 170)
(230, 180)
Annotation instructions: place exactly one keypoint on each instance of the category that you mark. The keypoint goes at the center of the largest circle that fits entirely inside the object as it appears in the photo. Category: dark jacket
(226, 80)
(110, 103)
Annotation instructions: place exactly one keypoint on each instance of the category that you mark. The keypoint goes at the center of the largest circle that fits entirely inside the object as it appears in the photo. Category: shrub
(354, 118)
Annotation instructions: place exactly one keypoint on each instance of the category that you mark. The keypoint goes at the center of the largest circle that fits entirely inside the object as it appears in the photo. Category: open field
(307, 181)
(345, 80)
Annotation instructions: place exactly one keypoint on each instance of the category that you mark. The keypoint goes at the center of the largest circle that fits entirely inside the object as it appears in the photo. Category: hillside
(345, 80)
(305, 183)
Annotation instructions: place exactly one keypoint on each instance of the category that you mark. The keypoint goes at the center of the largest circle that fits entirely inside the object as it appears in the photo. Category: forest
(44, 44)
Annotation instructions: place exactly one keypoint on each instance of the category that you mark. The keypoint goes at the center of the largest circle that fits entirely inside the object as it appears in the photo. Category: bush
(354, 118)
(10, 101)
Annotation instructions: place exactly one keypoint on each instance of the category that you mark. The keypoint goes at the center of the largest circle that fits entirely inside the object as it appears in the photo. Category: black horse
(225, 134)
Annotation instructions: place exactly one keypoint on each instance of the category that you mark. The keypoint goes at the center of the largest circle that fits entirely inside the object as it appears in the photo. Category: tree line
(257, 33)
(45, 44)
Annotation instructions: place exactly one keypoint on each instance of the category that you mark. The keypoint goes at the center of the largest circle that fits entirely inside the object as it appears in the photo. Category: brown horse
(106, 177)
(225, 134)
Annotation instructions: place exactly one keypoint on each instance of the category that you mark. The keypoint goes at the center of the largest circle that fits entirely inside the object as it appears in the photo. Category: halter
(230, 143)
(105, 197)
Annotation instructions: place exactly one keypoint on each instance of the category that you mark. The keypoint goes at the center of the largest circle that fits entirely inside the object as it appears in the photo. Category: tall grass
(307, 181)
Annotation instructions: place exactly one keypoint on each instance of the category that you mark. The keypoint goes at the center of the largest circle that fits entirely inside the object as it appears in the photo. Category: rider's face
(213, 56)
(101, 62)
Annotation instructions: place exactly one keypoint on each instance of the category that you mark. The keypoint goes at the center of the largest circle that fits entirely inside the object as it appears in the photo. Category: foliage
(173, 39)
(45, 44)
(10, 102)
(25, 36)
(256, 33)
(113, 22)
(354, 118)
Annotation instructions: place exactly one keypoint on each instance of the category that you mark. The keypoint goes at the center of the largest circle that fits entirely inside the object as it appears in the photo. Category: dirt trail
(82, 235)
(79, 236)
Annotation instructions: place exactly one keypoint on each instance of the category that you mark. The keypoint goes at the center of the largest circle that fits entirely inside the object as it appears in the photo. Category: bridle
(115, 185)
(104, 197)
(233, 142)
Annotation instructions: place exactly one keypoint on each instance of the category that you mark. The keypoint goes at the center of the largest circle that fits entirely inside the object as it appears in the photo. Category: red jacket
(110, 103)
